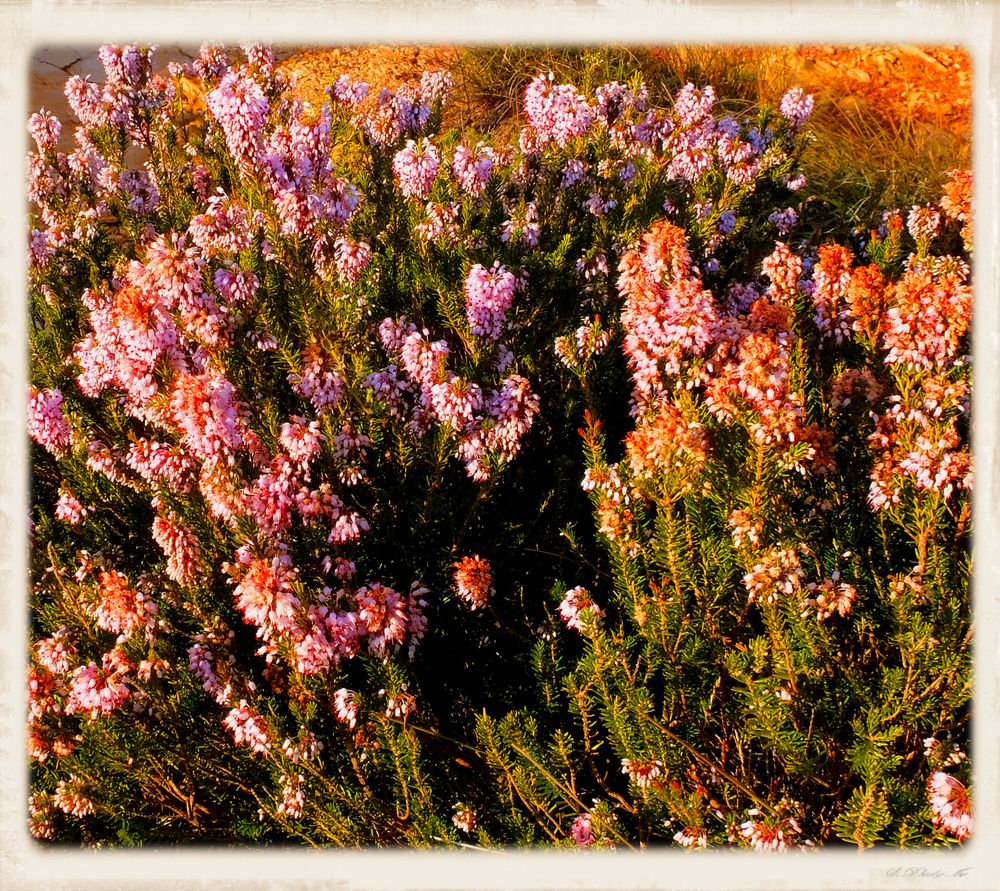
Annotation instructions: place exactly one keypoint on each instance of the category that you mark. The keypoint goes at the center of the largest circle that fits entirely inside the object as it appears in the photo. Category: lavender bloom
(796, 106)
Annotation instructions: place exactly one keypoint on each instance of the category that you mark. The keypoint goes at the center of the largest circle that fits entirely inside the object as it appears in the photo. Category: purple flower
(784, 220)
(796, 106)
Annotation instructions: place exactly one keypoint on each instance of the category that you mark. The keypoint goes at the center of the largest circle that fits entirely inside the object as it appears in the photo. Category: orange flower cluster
(473, 580)
(667, 442)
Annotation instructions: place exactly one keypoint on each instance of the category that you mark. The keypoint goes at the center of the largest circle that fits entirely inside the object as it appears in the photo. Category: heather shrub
(393, 486)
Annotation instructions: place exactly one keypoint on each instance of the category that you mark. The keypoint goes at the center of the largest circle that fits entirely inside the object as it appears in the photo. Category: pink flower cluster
(204, 407)
(317, 382)
(129, 95)
(668, 317)
(308, 198)
(416, 167)
(464, 818)
(352, 259)
(241, 108)
(557, 112)
(691, 837)
(643, 773)
(98, 690)
(488, 425)
(489, 294)
(828, 597)
(248, 728)
(769, 835)
(401, 112)
(796, 106)
(180, 545)
(778, 573)
(923, 222)
(474, 168)
(71, 798)
(925, 327)
(831, 278)
(577, 607)
(581, 831)
(474, 581)
(47, 424)
(912, 443)
(345, 707)
(121, 608)
(320, 637)
(224, 228)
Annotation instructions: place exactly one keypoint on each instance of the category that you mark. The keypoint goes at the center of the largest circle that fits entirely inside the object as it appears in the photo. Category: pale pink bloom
(345, 707)
(161, 463)
(47, 424)
(292, 796)
(929, 320)
(264, 592)
(779, 572)
(488, 297)
(317, 381)
(301, 440)
(383, 611)
(464, 818)
(557, 112)
(642, 773)
(784, 269)
(248, 728)
(236, 286)
(473, 168)
(224, 229)
(204, 407)
(121, 608)
(949, 800)
(575, 606)
(796, 106)
(400, 705)
(522, 227)
(71, 798)
(581, 831)
(68, 509)
(201, 662)
(435, 86)
(45, 129)
(305, 748)
(54, 652)
(691, 838)
(40, 811)
(352, 259)
(745, 528)
(416, 167)
(347, 527)
(764, 837)
(693, 106)
(830, 279)
(440, 222)
(97, 691)
(240, 107)
(349, 92)
(828, 597)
